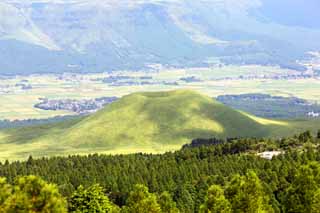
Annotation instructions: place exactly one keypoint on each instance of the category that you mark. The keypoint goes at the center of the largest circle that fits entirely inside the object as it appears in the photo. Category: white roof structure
(269, 155)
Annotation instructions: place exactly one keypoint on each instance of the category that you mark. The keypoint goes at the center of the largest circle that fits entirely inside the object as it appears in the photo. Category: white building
(269, 155)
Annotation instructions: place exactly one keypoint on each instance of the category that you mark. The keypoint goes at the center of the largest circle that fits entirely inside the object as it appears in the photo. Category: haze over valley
(56, 36)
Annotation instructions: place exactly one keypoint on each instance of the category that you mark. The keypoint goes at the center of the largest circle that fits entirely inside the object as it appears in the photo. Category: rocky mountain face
(102, 35)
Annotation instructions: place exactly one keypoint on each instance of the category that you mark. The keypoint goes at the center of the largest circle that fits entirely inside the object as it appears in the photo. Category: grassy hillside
(143, 122)
(161, 118)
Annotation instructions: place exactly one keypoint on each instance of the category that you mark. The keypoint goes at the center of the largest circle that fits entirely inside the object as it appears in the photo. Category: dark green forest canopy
(187, 174)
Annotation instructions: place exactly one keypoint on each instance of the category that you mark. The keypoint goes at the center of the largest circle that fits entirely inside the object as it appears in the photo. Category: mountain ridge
(96, 36)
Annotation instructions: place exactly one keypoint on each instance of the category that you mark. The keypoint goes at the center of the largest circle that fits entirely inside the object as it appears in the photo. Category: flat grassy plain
(16, 103)
(152, 122)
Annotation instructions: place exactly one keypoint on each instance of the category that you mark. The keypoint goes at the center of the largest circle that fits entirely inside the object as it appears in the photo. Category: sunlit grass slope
(144, 122)
(160, 119)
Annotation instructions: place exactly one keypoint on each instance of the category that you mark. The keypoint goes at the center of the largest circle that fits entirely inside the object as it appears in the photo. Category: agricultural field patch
(20, 94)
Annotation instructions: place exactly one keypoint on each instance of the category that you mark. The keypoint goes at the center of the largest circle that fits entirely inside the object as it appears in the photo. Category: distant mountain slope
(144, 122)
(96, 35)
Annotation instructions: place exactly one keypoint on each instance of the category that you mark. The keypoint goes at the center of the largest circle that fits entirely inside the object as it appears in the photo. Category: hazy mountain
(99, 35)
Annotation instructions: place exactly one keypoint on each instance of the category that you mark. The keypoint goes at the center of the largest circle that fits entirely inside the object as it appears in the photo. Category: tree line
(225, 176)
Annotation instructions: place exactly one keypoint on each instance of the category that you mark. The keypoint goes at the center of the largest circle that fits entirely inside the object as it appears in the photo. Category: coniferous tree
(305, 136)
(167, 204)
(247, 195)
(315, 205)
(5, 192)
(32, 194)
(140, 200)
(185, 201)
(302, 193)
(215, 201)
(92, 199)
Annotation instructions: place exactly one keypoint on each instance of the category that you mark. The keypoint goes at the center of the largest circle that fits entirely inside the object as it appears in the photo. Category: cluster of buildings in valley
(121, 80)
(140, 81)
(314, 114)
(265, 105)
(4, 89)
(143, 83)
(77, 106)
(270, 77)
(8, 88)
(313, 64)
(24, 86)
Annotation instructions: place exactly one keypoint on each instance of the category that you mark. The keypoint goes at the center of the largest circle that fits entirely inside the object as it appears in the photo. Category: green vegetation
(159, 119)
(30, 194)
(153, 122)
(167, 203)
(89, 200)
(220, 176)
(241, 194)
(140, 200)
(216, 201)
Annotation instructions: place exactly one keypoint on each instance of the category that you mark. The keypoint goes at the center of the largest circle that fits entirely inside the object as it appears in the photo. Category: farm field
(18, 103)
